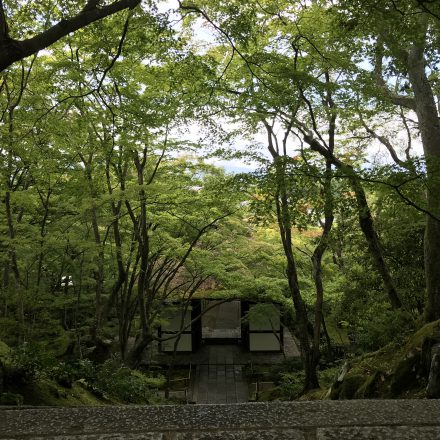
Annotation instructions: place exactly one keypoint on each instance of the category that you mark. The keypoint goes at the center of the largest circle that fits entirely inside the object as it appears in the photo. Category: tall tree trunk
(429, 126)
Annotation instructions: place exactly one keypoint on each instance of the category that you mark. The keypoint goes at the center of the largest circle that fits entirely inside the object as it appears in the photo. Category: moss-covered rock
(101, 351)
(430, 330)
(48, 393)
(11, 399)
(430, 345)
(350, 385)
(318, 394)
(393, 371)
(371, 386)
(405, 375)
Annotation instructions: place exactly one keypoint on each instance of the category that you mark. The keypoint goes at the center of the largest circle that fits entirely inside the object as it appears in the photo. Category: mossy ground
(45, 392)
(29, 383)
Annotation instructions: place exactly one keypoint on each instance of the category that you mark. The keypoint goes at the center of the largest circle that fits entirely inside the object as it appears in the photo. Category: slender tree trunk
(326, 227)
(122, 273)
(127, 306)
(327, 336)
(7, 200)
(366, 221)
(45, 204)
(142, 235)
(12, 263)
(317, 262)
(98, 273)
(285, 227)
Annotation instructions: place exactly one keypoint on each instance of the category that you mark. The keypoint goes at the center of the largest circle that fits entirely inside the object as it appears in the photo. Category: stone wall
(320, 420)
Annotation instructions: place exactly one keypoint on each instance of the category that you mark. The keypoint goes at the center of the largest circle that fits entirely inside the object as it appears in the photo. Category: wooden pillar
(196, 327)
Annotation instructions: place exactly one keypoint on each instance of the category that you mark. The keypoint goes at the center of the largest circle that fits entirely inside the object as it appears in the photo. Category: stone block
(379, 433)
(241, 435)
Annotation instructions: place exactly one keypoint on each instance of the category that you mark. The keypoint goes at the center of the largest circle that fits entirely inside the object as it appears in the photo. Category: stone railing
(320, 420)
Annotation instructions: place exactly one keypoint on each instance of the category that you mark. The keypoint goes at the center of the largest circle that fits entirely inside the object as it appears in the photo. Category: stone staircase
(219, 383)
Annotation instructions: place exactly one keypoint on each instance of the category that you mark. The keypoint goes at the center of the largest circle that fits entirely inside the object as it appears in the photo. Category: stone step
(320, 420)
(353, 433)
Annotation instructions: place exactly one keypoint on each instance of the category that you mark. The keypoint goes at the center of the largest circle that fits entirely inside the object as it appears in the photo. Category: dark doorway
(222, 322)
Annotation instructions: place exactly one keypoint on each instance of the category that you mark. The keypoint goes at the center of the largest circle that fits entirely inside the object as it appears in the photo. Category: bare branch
(408, 133)
(384, 141)
(118, 53)
(164, 148)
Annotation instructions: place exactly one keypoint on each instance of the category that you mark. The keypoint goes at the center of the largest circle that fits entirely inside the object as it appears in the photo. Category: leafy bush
(290, 385)
(65, 373)
(379, 326)
(122, 384)
(86, 369)
(109, 380)
(27, 362)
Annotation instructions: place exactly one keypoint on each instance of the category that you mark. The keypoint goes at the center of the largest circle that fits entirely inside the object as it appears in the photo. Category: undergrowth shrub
(27, 363)
(109, 381)
(123, 384)
(290, 385)
(378, 326)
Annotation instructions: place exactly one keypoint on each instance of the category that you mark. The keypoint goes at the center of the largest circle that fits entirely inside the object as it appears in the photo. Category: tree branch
(395, 98)
(13, 50)
(384, 141)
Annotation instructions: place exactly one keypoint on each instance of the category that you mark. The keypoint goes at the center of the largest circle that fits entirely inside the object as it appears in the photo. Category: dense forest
(115, 115)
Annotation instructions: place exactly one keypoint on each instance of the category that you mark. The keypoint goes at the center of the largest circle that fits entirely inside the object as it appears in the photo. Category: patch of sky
(246, 153)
